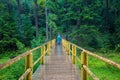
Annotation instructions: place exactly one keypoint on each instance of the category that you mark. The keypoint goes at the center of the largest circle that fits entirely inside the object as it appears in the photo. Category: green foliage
(101, 69)
(52, 22)
(28, 29)
(37, 41)
(117, 48)
(20, 45)
(10, 72)
(88, 36)
(8, 33)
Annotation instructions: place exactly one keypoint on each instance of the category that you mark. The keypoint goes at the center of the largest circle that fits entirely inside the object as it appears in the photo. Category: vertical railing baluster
(69, 47)
(42, 53)
(48, 48)
(73, 54)
(65, 46)
(29, 64)
(84, 61)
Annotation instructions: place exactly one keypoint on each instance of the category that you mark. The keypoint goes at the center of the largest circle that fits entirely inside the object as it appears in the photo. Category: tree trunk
(50, 33)
(66, 11)
(36, 16)
(19, 17)
(107, 15)
(8, 5)
(78, 20)
(46, 13)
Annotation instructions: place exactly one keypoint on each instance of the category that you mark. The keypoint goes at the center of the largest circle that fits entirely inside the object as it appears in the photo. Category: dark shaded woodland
(92, 24)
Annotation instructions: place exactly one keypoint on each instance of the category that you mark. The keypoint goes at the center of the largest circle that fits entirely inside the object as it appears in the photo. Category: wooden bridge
(58, 62)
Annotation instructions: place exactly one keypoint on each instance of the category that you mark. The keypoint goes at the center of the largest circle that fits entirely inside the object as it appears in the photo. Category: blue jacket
(59, 39)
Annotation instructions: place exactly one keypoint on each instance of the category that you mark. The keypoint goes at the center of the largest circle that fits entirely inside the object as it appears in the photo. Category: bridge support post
(68, 48)
(73, 54)
(63, 43)
(53, 42)
(29, 64)
(84, 61)
(42, 53)
(48, 47)
(50, 44)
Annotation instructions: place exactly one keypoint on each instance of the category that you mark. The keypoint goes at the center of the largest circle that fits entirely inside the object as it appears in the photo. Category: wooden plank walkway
(58, 66)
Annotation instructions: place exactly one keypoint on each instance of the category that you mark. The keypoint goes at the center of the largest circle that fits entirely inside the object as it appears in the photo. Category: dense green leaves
(92, 23)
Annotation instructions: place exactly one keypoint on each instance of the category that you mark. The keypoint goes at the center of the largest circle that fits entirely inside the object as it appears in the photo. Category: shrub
(37, 41)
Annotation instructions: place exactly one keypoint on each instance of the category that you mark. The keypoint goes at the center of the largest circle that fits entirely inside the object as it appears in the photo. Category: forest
(25, 23)
(91, 24)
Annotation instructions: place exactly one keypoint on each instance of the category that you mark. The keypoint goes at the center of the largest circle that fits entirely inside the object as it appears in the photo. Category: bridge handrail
(98, 57)
(29, 59)
(84, 60)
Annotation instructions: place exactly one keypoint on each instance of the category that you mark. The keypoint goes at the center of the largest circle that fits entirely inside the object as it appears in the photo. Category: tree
(36, 16)
(46, 14)
(8, 5)
(19, 17)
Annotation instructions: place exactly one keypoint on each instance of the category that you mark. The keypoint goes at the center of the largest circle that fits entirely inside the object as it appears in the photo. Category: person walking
(59, 39)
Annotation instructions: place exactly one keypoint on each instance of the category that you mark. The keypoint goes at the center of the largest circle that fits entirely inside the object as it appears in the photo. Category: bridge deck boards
(58, 66)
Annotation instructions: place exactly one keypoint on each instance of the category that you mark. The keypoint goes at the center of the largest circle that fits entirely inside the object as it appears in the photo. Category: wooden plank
(90, 73)
(58, 67)
(25, 74)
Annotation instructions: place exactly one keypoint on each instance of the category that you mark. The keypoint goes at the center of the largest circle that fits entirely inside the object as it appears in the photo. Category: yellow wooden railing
(84, 59)
(29, 59)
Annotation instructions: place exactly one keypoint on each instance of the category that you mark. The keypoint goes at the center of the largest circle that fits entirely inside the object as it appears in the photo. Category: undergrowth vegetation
(103, 70)
(14, 71)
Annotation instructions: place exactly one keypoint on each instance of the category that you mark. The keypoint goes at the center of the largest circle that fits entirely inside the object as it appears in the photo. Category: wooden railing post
(29, 64)
(84, 61)
(42, 53)
(63, 43)
(48, 48)
(51, 43)
(73, 54)
(54, 41)
(68, 48)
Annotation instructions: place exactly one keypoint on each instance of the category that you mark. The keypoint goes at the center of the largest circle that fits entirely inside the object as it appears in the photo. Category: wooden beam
(73, 54)
(25, 74)
(104, 59)
(29, 64)
(84, 61)
(90, 73)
